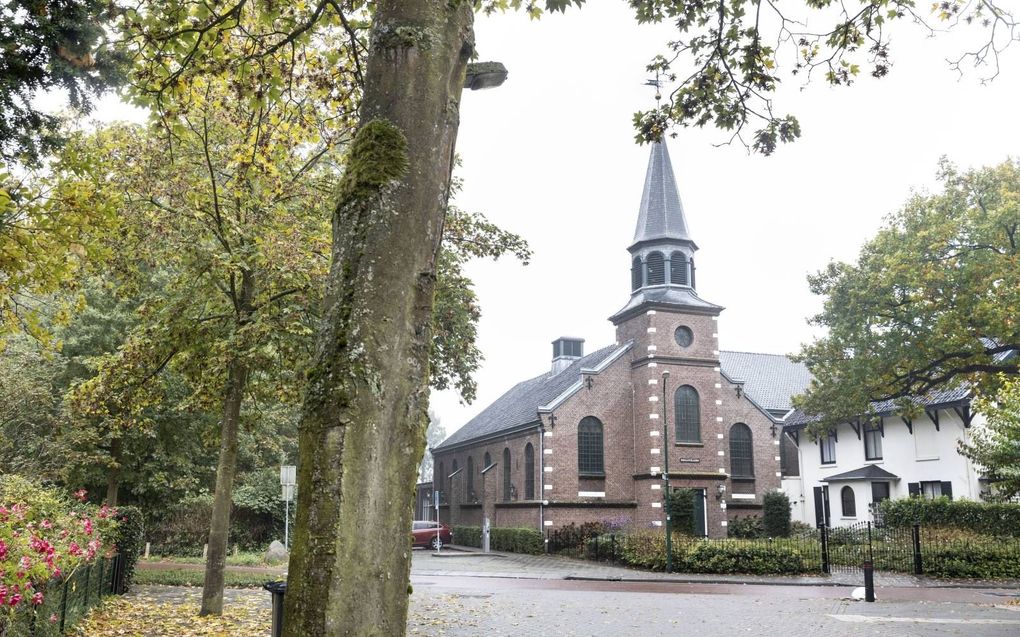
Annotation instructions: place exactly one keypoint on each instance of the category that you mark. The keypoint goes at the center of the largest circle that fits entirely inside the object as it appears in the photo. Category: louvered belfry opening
(656, 266)
(678, 268)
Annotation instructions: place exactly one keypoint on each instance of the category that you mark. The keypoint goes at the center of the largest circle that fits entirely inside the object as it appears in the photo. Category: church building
(591, 439)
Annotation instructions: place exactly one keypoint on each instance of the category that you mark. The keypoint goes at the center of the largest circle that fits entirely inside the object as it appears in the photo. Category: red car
(430, 534)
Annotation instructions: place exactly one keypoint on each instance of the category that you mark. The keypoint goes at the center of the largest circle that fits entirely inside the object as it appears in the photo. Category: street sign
(288, 492)
(288, 474)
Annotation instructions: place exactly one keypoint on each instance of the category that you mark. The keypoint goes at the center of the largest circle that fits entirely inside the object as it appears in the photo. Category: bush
(997, 519)
(776, 514)
(468, 536)
(680, 507)
(129, 539)
(183, 528)
(44, 537)
(755, 558)
(647, 549)
(984, 560)
(748, 528)
(527, 541)
(572, 537)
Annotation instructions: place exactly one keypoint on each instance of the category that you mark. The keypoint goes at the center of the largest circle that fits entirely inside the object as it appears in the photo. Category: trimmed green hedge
(965, 560)
(468, 536)
(997, 519)
(647, 549)
(527, 541)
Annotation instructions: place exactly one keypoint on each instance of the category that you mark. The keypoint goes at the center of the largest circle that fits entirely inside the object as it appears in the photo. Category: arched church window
(687, 411)
(590, 456)
(529, 472)
(741, 451)
(656, 267)
(507, 486)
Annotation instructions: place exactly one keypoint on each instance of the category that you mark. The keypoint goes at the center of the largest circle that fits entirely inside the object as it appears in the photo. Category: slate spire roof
(661, 215)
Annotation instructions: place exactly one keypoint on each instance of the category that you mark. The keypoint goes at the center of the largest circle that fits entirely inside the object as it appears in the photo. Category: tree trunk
(363, 423)
(212, 589)
(113, 473)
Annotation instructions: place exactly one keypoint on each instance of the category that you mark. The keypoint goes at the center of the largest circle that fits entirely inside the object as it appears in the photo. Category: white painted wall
(925, 455)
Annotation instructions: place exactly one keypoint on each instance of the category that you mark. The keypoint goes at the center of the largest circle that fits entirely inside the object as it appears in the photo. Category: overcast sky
(551, 155)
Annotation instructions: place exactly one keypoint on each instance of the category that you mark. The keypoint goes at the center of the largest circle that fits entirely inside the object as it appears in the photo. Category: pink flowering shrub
(44, 535)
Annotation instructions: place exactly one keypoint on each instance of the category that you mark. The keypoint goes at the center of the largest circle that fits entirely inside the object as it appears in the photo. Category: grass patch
(238, 559)
(185, 577)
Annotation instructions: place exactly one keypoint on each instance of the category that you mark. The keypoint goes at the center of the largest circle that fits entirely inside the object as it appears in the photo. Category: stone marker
(277, 553)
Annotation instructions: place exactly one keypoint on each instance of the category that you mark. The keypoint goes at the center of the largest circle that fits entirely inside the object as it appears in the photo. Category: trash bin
(277, 590)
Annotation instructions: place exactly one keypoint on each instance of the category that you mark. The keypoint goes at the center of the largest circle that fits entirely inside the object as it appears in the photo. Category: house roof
(936, 398)
(661, 215)
(520, 406)
(770, 380)
(867, 472)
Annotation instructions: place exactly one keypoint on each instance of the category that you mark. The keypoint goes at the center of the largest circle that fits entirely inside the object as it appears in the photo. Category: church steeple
(662, 253)
(661, 215)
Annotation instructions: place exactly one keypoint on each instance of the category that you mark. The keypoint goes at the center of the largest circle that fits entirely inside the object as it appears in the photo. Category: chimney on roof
(566, 350)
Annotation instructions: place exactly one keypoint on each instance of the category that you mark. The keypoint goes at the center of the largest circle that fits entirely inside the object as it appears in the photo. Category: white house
(839, 479)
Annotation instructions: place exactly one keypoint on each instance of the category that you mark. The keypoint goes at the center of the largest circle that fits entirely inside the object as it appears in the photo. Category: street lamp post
(665, 478)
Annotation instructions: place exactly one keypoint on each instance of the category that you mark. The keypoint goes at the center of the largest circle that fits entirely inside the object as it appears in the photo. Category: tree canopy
(996, 446)
(51, 45)
(931, 303)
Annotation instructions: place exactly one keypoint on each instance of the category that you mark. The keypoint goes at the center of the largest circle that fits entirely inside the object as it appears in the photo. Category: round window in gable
(684, 336)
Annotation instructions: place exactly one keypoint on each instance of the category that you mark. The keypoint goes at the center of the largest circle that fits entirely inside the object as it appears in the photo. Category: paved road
(453, 606)
(520, 596)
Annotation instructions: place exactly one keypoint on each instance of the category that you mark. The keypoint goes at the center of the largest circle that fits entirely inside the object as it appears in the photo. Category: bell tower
(677, 415)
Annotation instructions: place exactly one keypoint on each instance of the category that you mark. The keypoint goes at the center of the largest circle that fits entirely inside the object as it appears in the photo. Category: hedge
(647, 549)
(468, 536)
(129, 539)
(527, 541)
(996, 519)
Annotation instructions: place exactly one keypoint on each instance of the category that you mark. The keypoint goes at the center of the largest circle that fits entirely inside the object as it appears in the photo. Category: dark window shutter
(914, 488)
(947, 489)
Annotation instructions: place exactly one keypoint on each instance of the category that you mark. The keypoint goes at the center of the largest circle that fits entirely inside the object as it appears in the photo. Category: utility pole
(665, 478)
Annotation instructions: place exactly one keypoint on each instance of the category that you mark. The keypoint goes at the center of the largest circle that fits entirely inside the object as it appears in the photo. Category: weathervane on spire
(657, 83)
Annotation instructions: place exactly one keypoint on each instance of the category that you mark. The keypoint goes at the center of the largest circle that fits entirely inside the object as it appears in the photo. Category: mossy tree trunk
(364, 419)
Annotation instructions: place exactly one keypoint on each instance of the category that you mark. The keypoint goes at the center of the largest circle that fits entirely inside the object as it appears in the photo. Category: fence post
(869, 582)
(63, 604)
(915, 532)
(825, 548)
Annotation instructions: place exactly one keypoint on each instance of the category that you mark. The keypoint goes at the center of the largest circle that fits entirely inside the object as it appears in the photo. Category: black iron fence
(915, 549)
(66, 600)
